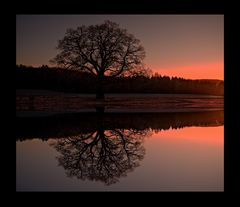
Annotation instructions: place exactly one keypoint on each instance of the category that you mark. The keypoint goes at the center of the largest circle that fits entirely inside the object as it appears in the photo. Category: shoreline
(46, 103)
(22, 114)
(33, 92)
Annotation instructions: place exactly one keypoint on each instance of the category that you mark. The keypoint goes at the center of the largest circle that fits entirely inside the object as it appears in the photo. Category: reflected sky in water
(187, 158)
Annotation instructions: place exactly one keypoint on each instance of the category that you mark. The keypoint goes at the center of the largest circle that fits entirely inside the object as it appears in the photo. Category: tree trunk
(100, 95)
(100, 109)
(100, 92)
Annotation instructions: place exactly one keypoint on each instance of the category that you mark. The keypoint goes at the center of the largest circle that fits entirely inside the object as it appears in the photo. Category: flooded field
(45, 101)
(143, 142)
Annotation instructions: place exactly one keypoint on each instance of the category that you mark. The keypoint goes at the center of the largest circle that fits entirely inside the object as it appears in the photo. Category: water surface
(45, 102)
(121, 152)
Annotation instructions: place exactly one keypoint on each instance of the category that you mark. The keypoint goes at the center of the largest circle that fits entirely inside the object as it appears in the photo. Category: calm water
(121, 152)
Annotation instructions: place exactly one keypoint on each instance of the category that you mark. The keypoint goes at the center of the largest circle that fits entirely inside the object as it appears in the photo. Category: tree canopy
(104, 155)
(102, 50)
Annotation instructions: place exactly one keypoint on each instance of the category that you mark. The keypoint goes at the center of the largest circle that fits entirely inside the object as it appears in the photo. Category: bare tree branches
(103, 50)
(104, 155)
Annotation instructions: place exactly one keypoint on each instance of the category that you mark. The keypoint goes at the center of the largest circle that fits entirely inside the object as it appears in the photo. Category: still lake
(169, 150)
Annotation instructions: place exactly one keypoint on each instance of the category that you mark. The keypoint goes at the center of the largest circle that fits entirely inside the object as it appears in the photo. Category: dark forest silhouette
(57, 126)
(74, 81)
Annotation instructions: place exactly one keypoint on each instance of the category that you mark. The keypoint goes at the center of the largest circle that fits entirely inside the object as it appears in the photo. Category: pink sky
(188, 46)
(208, 136)
(214, 70)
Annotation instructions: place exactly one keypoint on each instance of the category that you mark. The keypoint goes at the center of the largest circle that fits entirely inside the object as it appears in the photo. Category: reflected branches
(106, 147)
(104, 155)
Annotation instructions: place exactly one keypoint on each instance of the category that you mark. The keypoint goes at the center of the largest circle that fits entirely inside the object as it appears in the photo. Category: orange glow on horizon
(208, 135)
(201, 71)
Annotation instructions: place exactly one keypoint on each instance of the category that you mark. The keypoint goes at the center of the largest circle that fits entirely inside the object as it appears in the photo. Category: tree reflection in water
(104, 155)
(106, 147)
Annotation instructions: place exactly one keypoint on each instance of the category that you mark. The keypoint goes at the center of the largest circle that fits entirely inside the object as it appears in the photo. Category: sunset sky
(188, 46)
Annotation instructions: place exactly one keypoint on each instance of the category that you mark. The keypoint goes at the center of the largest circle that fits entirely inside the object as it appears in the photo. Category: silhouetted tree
(103, 155)
(102, 50)
(44, 67)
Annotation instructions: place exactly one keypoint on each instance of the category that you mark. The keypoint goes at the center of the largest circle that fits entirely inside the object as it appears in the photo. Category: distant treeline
(59, 79)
